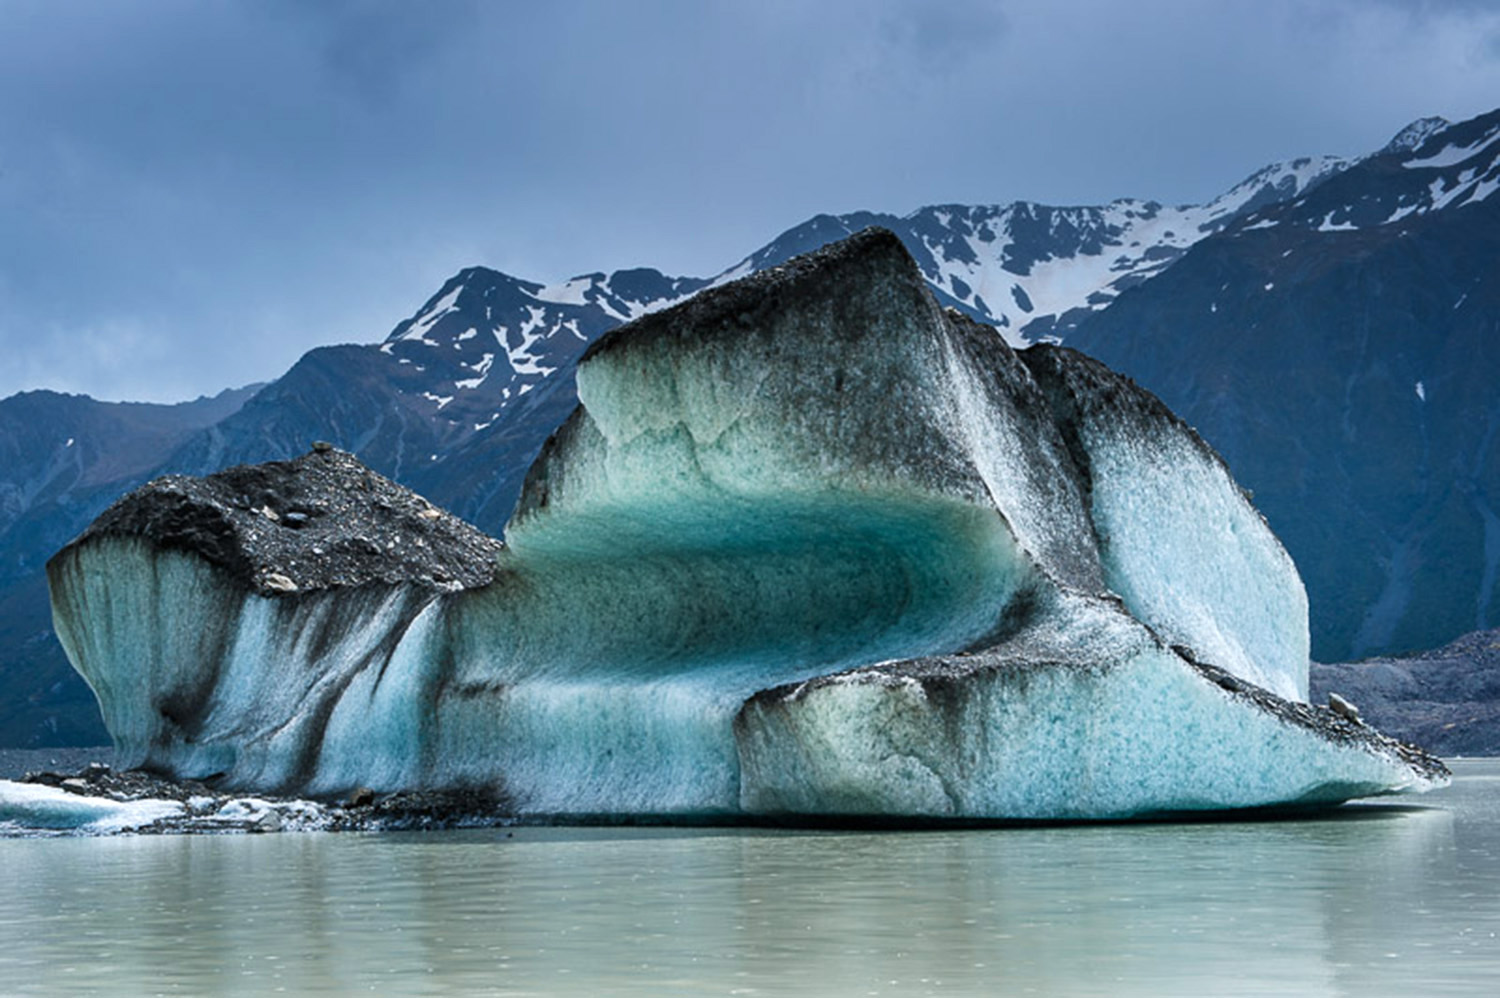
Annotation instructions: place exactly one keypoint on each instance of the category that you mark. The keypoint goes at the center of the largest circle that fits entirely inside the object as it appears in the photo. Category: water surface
(1371, 900)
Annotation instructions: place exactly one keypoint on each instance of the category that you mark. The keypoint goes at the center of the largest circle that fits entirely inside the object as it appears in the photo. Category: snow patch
(1452, 155)
(423, 324)
(572, 292)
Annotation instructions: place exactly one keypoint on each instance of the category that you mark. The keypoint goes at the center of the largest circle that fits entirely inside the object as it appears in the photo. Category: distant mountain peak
(1431, 165)
(1414, 134)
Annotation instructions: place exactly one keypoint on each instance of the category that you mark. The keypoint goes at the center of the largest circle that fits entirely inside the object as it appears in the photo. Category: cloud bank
(193, 194)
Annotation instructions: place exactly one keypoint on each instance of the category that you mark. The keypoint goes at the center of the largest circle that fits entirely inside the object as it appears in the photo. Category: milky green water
(1375, 900)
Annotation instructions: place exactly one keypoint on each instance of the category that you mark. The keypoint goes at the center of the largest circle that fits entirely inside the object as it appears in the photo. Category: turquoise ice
(809, 546)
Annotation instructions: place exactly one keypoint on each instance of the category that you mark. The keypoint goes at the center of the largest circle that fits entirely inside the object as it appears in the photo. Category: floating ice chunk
(36, 806)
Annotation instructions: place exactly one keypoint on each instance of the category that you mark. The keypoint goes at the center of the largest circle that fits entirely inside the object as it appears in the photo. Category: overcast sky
(195, 192)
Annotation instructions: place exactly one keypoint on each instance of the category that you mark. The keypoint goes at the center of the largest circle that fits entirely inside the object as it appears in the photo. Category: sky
(193, 193)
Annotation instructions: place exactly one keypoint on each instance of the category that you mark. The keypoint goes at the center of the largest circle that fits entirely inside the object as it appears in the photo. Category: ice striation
(810, 546)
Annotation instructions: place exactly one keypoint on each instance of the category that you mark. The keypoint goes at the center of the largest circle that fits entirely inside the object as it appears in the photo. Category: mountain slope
(1035, 270)
(63, 459)
(474, 382)
(1341, 349)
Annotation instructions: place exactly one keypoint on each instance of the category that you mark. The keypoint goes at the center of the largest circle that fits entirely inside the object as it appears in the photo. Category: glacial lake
(1370, 900)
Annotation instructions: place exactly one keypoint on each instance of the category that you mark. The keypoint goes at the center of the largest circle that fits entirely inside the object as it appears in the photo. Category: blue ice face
(809, 546)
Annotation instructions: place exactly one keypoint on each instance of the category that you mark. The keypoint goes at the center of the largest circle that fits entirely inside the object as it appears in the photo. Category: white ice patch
(441, 400)
(1291, 177)
(742, 269)
(1421, 392)
(481, 369)
(568, 293)
(522, 359)
(1403, 211)
(418, 329)
(1466, 188)
(33, 806)
(1452, 155)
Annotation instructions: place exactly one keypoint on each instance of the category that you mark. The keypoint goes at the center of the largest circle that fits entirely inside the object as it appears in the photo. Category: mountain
(64, 459)
(458, 399)
(1447, 700)
(1035, 271)
(59, 450)
(1341, 349)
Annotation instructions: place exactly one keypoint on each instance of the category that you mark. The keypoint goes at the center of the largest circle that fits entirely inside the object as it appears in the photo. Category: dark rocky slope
(1447, 699)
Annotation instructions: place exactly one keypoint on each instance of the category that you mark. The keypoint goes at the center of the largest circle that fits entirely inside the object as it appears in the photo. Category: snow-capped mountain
(490, 352)
(1340, 348)
(1034, 270)
(1430, 166)
(486, 339)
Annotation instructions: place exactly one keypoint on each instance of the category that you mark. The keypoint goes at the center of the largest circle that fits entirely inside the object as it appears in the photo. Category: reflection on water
(1374, 900)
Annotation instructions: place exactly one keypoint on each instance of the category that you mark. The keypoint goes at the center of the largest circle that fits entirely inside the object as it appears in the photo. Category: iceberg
(809, 547)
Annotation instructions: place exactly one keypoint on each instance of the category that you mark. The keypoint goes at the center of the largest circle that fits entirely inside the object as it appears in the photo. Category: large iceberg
(809, 546)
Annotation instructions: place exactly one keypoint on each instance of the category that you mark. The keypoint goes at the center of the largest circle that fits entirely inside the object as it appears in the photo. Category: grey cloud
(371, 46)
(946, 32)
(193, 194)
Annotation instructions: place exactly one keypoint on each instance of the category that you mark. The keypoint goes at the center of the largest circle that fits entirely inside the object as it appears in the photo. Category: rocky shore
(98, 799)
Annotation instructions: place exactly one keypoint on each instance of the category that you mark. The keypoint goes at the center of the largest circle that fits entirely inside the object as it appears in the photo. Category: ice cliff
(809, 546)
